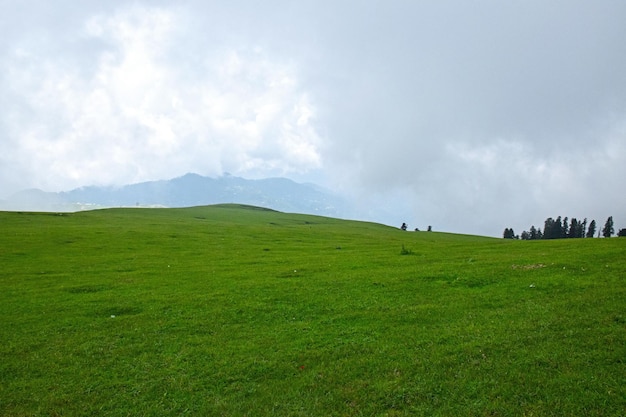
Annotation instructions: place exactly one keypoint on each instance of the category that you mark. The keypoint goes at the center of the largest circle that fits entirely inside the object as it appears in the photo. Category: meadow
(239, 311)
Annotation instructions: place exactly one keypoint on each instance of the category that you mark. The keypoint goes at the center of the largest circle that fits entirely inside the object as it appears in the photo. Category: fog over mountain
(192, 189)
(189, 190)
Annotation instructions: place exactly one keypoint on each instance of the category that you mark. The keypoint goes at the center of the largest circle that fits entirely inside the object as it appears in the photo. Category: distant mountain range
(189, 190)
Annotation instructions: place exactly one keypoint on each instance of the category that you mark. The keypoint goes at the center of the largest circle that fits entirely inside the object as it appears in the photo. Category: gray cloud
(468, 116)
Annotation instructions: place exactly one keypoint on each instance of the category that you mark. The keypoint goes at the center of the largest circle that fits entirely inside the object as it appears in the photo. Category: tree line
(563, 228)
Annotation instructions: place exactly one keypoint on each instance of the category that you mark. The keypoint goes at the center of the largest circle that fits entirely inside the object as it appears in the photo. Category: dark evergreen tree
(558, 227)
(608, 229)
(592, 229)
(553, 229)
(509, 233)
(576, 228)
(573, 228)
(548, 228)
(582, 227)
(621, 233)
(565, 229)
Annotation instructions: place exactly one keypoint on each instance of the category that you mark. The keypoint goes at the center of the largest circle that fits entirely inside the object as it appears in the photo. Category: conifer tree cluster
(563, 228)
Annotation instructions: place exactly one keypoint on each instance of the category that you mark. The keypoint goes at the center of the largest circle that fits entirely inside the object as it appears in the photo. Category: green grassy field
(235, 311)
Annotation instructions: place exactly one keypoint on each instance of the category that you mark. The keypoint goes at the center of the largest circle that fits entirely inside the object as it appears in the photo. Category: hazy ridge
(189, 190)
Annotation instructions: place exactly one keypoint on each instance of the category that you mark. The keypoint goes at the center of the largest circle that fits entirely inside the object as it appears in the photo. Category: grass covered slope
(232, 311)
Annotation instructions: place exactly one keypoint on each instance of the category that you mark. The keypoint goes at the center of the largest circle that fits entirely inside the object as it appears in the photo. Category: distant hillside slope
(189, 190)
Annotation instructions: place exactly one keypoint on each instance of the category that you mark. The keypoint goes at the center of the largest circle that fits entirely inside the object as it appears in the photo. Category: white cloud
(140, 114)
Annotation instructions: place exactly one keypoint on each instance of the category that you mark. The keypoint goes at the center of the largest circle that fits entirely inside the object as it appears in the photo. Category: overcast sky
(470, 116)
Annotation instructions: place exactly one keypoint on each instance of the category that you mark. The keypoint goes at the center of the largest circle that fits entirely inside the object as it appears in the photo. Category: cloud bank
(124, 105)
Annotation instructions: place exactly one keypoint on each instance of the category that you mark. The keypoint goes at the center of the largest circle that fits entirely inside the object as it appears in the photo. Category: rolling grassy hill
(233, 311)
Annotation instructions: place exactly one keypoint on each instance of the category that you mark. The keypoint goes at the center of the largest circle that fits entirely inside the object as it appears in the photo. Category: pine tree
(576, 228)
(558, 227)
(509, 233)
(553, 229)
(573, 228)
(583, 226)
(548, 228)
(592, 229)
(564, 229)
(608, 230)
